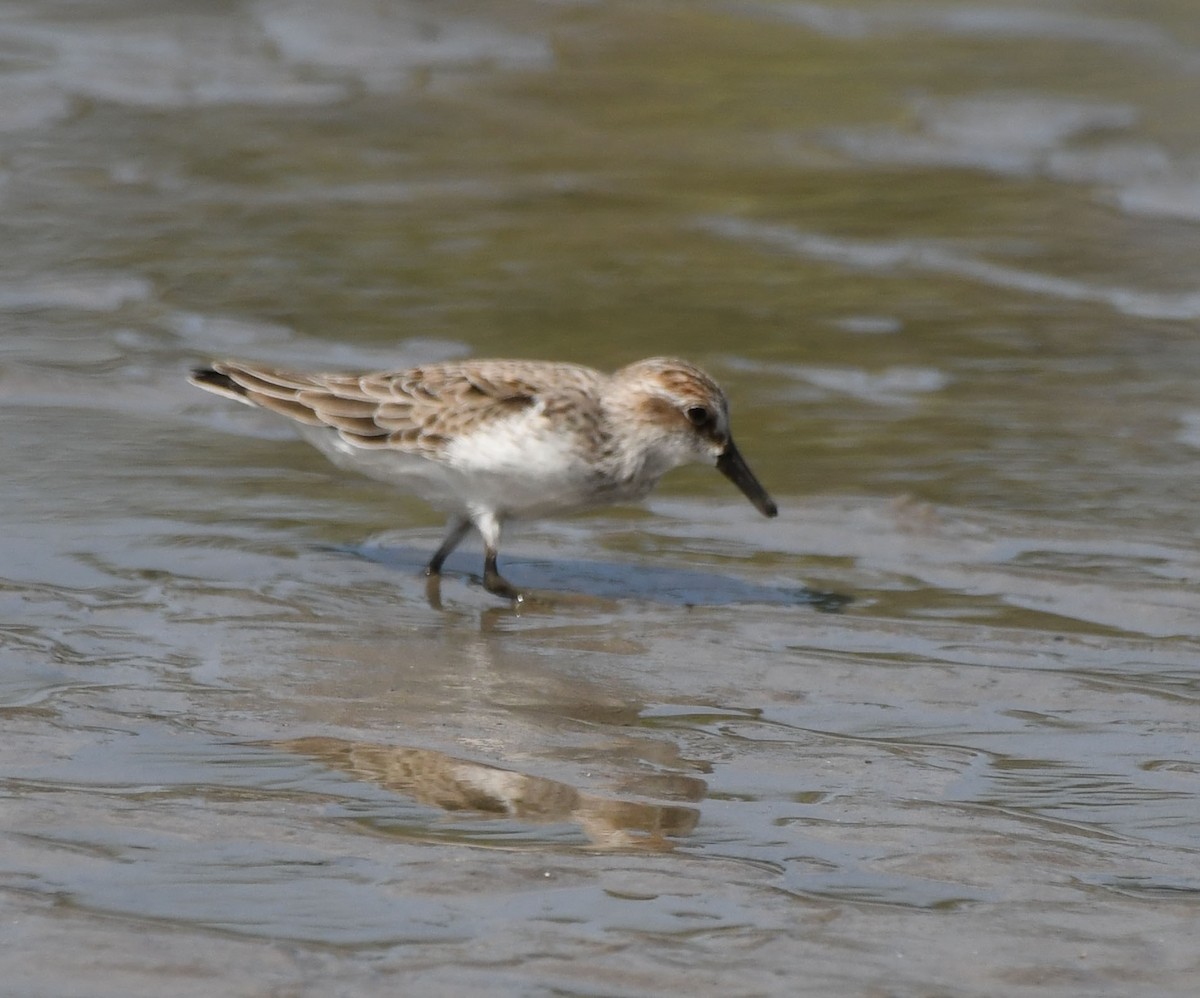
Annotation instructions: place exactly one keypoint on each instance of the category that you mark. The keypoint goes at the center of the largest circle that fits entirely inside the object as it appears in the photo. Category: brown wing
(417, 409)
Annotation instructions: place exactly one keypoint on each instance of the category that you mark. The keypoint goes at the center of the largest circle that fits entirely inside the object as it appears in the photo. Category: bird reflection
(439, 780)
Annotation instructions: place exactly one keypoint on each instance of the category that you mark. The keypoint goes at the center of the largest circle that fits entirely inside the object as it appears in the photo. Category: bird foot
(498, 585)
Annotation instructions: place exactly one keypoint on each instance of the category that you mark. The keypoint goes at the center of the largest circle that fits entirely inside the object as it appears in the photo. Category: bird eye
(697, 415)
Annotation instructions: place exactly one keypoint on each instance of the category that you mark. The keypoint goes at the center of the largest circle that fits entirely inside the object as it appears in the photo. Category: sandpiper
(490, 441)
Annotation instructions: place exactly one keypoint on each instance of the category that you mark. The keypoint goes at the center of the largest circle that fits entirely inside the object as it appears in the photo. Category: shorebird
(489, 441)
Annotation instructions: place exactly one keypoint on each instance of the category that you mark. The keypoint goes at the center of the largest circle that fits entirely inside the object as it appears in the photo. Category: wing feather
(417, 410)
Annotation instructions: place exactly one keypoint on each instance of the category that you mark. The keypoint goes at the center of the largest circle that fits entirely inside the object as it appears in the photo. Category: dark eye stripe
(697, 415)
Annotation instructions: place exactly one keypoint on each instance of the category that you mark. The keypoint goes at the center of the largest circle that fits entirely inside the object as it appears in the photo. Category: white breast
(524, 466)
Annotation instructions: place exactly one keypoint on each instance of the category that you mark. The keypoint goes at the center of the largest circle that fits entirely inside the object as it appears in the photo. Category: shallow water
(932, 731)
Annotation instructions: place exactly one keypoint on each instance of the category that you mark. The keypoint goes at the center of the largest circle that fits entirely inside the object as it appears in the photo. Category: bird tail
(215, 381)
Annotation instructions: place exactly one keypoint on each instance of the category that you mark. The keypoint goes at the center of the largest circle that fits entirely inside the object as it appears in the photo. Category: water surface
(931, 731)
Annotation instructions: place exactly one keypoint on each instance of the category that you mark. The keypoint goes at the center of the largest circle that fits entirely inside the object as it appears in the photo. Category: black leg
(456, 530)
(493, 581)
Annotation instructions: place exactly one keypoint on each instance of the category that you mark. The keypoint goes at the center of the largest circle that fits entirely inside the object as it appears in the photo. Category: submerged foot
(433, 590)
(493, 582)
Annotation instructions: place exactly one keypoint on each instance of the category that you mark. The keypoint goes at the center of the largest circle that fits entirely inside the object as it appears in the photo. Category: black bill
(733, 466)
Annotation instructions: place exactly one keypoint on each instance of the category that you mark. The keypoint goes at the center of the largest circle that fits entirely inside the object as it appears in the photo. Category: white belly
(514, 468)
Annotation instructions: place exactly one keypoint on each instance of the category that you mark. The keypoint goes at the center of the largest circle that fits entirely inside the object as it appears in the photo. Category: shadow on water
(613, 580)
